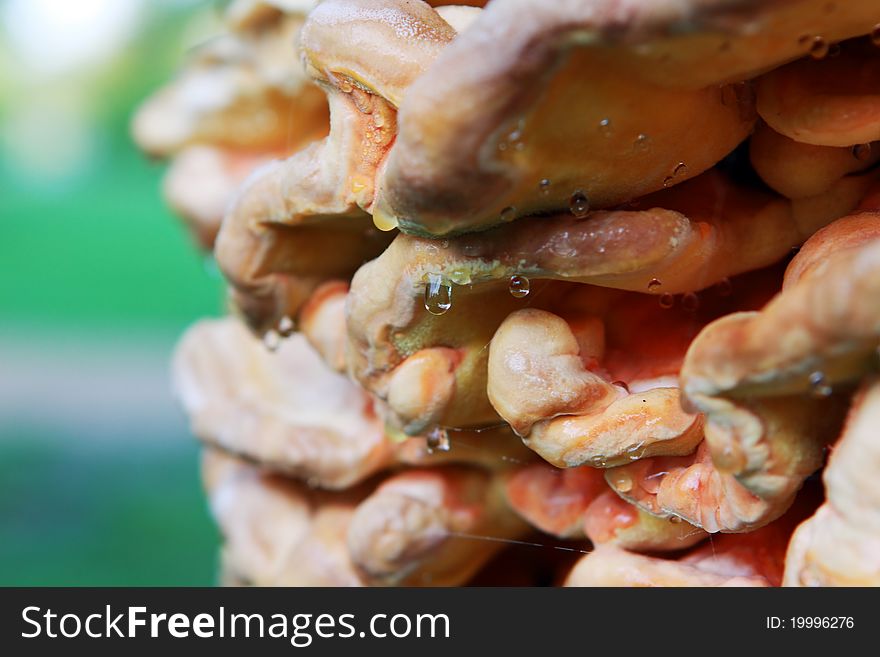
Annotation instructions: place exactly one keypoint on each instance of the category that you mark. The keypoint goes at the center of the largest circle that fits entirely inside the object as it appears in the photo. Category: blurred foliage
(92, 254)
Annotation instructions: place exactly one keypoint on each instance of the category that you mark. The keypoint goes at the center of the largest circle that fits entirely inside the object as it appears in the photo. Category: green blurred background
(98, 473)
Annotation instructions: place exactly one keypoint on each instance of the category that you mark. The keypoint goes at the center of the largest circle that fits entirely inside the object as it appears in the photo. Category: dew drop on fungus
(819, 385)
(861, 151)
(690, 302)
(834, 50)
(679, 170)
(438, 440)
(666, 301)
(674, 519)
(544, 186)
(598, 461)
(621, 384)
(642, 142)
(818, 48)
(654, 284)
(635, 452)
(271, 340)
(724, 288)
(438, 294)
(605, 126)
(579, 204)
(286, 327)
(518, 286)
(623, 483)
(508, 213)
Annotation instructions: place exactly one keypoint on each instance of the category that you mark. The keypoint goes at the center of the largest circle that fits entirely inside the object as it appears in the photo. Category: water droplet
(690, 302)
(635, 452)
(438, 440)
(544, 186)
(345, 86)
(724, 288)
(621, 384)
(502, 145)
(642, 142)
(438, 294)
(579, 204)
(834, 50)
(674, 519)
(861, 151)
(679, 170)
(666, 301)
(654, 284)
(519, 287)
(508, 213)
(623, 483)
(818, 48)
(875, 35)
(598, 461)
(819, 385)
(286, 327)
(605, 127)
(378, 119)
(271, 340)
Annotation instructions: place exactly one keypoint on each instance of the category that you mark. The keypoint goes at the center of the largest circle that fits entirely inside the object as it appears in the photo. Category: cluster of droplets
(438, 294)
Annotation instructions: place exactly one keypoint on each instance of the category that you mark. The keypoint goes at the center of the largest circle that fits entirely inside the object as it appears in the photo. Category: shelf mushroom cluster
(593, 280)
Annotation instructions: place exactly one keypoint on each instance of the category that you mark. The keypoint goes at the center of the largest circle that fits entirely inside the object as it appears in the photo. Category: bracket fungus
(241, 101)
(518, 275)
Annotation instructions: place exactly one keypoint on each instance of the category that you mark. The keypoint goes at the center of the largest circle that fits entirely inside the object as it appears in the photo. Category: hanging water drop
(623, 483)
(861, 151)
(654, 284)
(621, 384)
(438, 294)
(286, 327)
(605, 127)
(818, 48)
(666, 301)
(438, 440)
(724, 288)
(598, 461)
(819, 386)
(544, 186)
(675, 519)
(518, 286)
(690, 302)
(271, 340)
(635, 452)
(579, 204)
(508, 213)
(642, 142)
